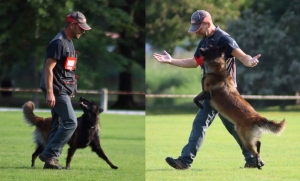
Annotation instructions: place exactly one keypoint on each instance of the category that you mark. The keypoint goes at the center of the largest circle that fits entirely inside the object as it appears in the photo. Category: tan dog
(224, 97)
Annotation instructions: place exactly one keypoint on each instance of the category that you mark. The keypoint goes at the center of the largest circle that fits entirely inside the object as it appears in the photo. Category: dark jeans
(63, 125)
(202, 121)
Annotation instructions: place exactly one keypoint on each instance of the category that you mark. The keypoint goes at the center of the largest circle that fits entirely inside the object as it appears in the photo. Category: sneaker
(177, 163)
(251, 163)
(50, 163)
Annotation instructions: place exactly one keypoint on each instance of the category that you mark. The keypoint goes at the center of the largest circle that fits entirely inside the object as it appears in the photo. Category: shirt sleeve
(230, 44)
(55, 50)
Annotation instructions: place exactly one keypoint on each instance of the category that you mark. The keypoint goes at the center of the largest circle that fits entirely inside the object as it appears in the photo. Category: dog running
(225, 98)
(86, 133)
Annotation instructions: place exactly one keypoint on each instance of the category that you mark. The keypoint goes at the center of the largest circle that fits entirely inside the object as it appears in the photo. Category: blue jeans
(202, 121)
(63, 125)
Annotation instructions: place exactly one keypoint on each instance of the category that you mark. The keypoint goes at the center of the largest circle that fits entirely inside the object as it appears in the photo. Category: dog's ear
(203, 51)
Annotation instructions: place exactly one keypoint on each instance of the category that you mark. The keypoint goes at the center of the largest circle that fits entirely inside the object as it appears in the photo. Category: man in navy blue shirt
(202, 25)
(58, 83)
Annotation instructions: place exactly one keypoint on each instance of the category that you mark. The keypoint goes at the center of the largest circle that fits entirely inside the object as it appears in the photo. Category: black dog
(86, 133)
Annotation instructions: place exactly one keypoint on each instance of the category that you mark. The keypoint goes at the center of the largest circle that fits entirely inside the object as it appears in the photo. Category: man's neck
(212, 30)
(68, 33)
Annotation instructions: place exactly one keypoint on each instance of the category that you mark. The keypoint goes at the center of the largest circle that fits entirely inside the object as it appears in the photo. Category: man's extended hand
(166, 58)
(254, 61)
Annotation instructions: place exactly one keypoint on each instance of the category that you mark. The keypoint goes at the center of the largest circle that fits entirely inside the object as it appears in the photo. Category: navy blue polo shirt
(219, 38)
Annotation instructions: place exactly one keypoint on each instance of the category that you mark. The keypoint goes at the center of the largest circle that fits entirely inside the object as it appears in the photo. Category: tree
(168, 23)
(31, 24)
(126, 20)
(275, 40)
(273, 35)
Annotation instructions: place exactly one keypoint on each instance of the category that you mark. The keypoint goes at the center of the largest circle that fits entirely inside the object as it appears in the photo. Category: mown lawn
(220, 158)
(122, 138)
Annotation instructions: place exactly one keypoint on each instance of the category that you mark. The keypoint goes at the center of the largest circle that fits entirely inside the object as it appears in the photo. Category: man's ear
(72, 25)
(203, 51)
(208, 24)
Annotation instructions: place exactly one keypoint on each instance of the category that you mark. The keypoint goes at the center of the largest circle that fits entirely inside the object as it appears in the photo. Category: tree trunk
(125, 101)
(6, 83)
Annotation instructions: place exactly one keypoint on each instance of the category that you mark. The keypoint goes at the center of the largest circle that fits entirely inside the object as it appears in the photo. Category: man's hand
(254, 61)
(50, 100)
(166, 58)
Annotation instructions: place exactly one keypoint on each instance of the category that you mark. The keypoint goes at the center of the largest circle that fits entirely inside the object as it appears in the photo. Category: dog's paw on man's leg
(200, 97)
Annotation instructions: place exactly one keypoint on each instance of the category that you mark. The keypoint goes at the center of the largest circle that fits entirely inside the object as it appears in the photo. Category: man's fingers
(53, 104)
(50, 103)
(257, 56)
(157, 56)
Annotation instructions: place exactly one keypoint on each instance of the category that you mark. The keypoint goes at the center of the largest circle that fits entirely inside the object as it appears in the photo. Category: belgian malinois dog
(225, 98)
(86, 133)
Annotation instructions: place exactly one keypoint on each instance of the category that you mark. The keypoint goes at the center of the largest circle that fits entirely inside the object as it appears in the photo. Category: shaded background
(268, 27)
(112, 53)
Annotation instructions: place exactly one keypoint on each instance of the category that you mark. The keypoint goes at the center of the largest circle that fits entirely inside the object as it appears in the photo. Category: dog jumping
(223, 96)
(86, 133)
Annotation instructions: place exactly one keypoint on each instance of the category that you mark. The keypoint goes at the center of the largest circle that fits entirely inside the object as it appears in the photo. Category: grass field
(122, 138)
(220, 158)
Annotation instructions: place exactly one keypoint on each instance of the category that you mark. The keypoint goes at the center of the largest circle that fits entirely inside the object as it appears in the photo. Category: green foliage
(168, 22)
(220, 157)
(268, 27)
(258, 32)
(122, 138)
(27, 26)
(167, 79)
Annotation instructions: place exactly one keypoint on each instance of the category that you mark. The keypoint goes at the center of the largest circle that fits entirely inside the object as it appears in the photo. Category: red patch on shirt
(199, 60)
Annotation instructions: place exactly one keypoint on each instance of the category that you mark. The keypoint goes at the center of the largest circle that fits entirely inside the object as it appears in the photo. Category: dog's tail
(29, 117)
(274, 127)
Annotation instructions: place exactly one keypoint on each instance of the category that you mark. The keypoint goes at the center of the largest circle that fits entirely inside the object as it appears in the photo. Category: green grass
(220, 158)
(122, 138)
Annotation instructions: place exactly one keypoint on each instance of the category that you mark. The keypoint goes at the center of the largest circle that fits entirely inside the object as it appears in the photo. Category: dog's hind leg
(39, 149)
(252, 148)
(71, 152)
(96, 147)
(250, 144)
(259, 160)
(258, 144)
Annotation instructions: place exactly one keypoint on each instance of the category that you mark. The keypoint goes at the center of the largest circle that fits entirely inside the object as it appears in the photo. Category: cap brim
(84, 26)
(194, 28)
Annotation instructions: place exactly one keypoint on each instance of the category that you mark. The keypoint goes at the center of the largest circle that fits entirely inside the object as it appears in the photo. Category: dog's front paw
(114, 167)
(199, 104)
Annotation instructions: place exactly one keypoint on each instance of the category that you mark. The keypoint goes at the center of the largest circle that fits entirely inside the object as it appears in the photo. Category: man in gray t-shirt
(58, 83)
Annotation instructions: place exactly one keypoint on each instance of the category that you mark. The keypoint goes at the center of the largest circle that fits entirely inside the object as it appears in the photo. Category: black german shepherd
(86, 133)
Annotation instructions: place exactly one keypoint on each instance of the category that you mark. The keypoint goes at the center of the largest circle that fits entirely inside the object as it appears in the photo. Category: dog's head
(214, 58)
(213, 53)
(89, 107)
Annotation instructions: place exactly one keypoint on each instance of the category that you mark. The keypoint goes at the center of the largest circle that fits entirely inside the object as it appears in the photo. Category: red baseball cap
(79, 18)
